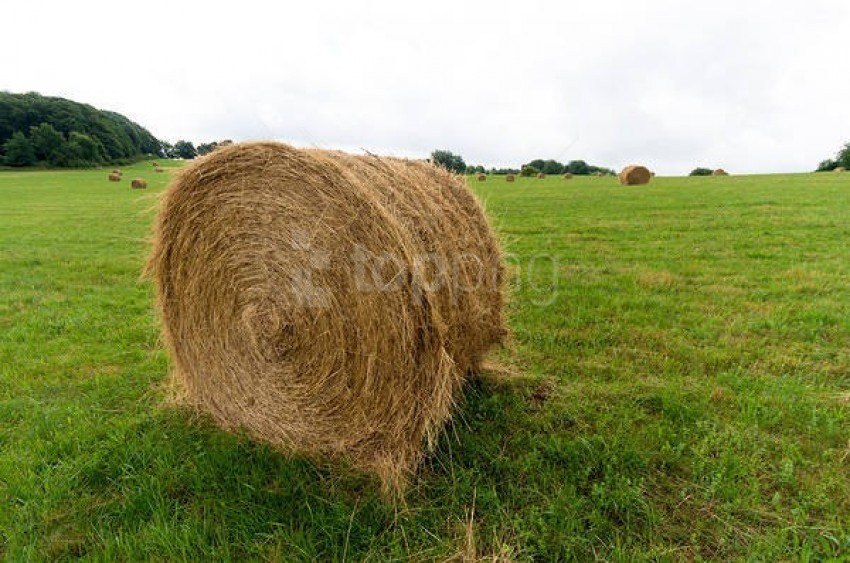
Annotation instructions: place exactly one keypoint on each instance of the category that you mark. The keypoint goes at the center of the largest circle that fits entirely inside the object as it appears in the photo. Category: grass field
(679, 389)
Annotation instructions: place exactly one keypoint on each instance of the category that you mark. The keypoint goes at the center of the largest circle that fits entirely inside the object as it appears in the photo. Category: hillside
(36, 129)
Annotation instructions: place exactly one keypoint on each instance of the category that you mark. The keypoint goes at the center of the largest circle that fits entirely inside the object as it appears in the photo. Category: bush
(701, 172)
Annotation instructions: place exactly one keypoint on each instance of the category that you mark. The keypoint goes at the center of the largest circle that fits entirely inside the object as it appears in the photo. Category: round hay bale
(154, 164)
(840, 169)
(599, 174)
(326, 303)
(719, 172)
(568, 176)
(541, 175)
(138, 184)
(116, 171)
(114, 177)
(635, 175)
(510, 178)
(158, 169)
(482, 177)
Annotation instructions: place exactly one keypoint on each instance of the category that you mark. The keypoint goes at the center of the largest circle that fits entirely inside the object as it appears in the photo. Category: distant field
(678, 389)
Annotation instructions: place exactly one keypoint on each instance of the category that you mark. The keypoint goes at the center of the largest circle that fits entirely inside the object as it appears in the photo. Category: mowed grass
(677, 387)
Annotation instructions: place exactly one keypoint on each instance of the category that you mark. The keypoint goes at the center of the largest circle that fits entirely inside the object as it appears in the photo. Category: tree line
(455, 163)
(36, 129)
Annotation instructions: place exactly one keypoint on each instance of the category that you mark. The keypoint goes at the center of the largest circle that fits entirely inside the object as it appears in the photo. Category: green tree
(528, 170)
(83, 150)
(49, 144)
(19, 151)
(701, 172)
(843, 157)
(578, 167)
(185, 149)
(449, 160)
(827, 165)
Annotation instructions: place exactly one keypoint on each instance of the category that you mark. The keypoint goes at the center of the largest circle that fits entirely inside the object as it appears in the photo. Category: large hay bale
(719, 172)
(541, 175)
(326, 303)
(138, 184)
(510, 178)
(482, 177)
(114, 177)
(568, 176)
(635, 175)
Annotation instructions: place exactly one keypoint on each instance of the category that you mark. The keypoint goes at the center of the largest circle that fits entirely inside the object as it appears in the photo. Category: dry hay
(114, 177)
(540, 175)
(116, 171)
(326, 303)
(568, 176)
(635, 175)
(482, 177)
(510, 178)
(719, 172)
(158, 169)
(840, 169)
(138, 184)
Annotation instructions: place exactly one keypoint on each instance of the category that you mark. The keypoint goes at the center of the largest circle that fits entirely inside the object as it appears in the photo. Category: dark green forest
(48, 131)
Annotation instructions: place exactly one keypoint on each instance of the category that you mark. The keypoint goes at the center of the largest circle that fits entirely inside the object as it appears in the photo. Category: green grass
(679, 389)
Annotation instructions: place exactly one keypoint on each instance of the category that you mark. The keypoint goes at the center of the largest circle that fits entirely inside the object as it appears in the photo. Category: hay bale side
(326, 303)
(635, 175)
(510, 178)
(114, 177)
(541, 175)
(482, 177)
(719, 172)
(138, 184)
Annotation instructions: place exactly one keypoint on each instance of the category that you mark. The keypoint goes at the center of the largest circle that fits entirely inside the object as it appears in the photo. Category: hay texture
(326, 303)
(839, 169)
(568, 176)
(541, 176)
(138, 184)
(635, 175)
(719, 172)
(158, 169)
(482, 177)
(510, 178)
(114, 177)
(116, 171)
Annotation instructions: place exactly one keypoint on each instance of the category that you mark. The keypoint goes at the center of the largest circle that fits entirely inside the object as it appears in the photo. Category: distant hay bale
(114, 177)
(326, 303)
(540, 175)
(599, 174)
(719, 172)
(510, 178)
(154, 164)
(158, 169)
(635, 175)
(482, 177)
(652, 174)
(116, 171)
(138, 184)
(840, 169)
(568, 176)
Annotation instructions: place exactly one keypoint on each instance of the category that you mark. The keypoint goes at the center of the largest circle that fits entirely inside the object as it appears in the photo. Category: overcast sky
(747, 85)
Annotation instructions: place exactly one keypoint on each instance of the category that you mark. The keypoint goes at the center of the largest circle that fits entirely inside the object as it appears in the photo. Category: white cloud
(750, 85)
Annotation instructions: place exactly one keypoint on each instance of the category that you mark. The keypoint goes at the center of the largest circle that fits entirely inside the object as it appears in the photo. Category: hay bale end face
(482, 177)
(114, 177)
(138, 184)
(635, 175)
(719, 172)
(541, 175)
(510, 178)
(326, 303)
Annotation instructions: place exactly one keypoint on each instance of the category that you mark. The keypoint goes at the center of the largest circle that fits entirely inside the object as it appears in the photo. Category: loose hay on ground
(326, 303)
